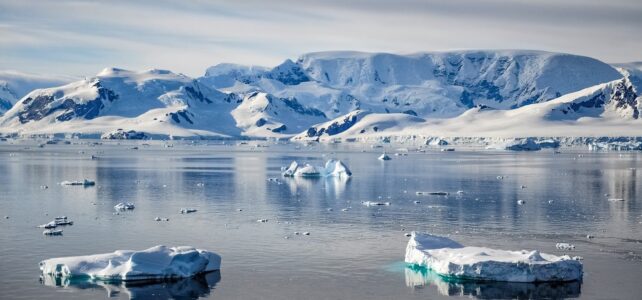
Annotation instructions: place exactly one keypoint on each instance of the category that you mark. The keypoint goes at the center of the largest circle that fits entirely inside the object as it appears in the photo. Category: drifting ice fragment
(52, 232)
(84, 182)
(521, 202)
(49, 225)
(155, 263)
(564, 246)
(616, 199)
(373, 203)
(384, 156)
(187, 210)
(124, 206)
(333, 168)
(450, 259)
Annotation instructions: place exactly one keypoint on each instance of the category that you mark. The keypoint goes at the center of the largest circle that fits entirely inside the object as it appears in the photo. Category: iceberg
(384, 156)
(332, 168)
(451, 259)
(156, 263)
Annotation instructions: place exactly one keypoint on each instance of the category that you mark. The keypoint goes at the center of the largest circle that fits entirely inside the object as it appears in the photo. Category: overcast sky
(82, 37)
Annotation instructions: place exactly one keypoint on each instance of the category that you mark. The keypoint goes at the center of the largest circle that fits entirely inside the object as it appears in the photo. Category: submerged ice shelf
(451, 259)
(156, 263)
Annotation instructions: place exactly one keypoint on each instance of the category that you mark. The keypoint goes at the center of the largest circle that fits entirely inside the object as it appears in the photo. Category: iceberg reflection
(419, 277)
(184, 288)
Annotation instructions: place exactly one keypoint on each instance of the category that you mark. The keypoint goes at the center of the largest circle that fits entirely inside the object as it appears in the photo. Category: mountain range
(340, 95)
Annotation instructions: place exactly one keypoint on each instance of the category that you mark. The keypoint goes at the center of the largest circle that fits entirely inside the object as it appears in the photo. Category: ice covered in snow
(451, 259)
(124, 206)
(527, 144)
(384, 156)
(84, 182)
(332, 168)
(156, 263)
(375, 203)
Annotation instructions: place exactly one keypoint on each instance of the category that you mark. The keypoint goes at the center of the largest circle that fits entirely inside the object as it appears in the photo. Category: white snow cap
(451, 259)
(159, 262)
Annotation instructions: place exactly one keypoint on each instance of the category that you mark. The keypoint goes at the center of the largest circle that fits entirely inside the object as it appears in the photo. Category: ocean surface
(352, 252)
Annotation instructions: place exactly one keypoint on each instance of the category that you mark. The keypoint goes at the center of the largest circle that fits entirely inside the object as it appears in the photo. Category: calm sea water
(353, 254)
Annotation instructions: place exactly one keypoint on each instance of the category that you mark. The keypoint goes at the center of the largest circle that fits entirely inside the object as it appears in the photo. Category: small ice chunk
(188, 210)
(156, 263)
(52, 232)
(49, 225)
(521, 202)
(447, 149)
(460, 192)
(589, 236)
(306, 233)
(616, 199)
(384, 156)
(565, 246)
(374, 203)
(84, 182)
(262, 220)
(417, 202)
(124, 206)
(332, 168)
(451, 259)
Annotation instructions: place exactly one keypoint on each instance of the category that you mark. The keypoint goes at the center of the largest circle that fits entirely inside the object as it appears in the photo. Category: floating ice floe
(451, 259)
(374, 203)
(564, 246)
(384, 156)
(52, 232)
(124, 206)
(333, 168)
(521, 202)
(63, 222)
(188, 210)
(616, 199)
(447, 149)
(156, 263)
(158, 219)
(49, 225)
(84, 182)
(432, 193)
(262, 220)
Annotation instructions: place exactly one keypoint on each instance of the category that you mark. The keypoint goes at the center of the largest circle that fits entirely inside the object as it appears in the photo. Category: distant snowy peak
(431, 84)
(14, 85)
(150, 97)
(502, 78)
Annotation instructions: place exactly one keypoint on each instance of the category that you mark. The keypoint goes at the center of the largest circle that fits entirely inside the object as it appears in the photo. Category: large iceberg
(156, 263)
(333, 168)
(451, 259)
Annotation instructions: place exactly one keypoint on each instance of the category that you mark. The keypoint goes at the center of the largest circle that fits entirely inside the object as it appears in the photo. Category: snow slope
(14, 85)
(431, 84)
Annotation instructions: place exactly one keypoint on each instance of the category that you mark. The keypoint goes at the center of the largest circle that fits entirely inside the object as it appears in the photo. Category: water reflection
(418, 277)
(186, 288)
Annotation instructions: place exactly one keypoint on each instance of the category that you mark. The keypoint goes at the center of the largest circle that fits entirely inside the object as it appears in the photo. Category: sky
(80, 38)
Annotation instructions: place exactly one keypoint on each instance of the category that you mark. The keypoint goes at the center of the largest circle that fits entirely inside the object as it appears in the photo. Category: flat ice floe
(156, 263)
(333, 168)
(451, 259)
(84, 182)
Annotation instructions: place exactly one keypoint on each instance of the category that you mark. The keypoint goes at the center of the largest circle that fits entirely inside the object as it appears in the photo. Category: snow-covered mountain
(14, 85)
(609, 109)
(349, 95)
(154, 101)
(432, 85)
